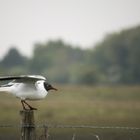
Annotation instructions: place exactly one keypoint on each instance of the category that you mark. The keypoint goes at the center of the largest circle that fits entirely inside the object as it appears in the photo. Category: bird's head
(49, 86)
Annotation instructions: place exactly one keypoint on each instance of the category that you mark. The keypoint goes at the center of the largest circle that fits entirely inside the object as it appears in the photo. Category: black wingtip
(4, 78)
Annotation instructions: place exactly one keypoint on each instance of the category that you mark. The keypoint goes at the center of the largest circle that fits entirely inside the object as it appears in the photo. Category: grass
(92, 105)
(80, 105)
(100, 106)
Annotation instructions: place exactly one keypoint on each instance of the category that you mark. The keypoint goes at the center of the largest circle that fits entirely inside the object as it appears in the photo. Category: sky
(78, 22)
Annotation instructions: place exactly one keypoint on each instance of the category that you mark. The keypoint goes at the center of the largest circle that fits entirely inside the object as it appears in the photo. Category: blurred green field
(99, 106)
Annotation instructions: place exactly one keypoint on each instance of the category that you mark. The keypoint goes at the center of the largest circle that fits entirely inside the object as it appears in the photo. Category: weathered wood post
(27, 125)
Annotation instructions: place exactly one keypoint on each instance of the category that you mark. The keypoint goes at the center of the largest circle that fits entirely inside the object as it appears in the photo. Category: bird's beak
(52, 88)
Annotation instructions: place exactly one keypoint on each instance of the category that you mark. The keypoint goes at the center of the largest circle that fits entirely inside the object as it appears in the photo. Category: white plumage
(26, 87)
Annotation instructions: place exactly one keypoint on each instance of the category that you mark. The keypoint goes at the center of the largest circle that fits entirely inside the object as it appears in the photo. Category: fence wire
(68, 126)
(45, 134)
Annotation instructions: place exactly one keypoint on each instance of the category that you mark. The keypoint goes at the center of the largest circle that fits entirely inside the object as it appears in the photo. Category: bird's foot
(24, 104)
(32, 108)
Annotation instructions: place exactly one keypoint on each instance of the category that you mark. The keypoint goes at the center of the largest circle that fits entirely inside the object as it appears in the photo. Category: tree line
(114, 60)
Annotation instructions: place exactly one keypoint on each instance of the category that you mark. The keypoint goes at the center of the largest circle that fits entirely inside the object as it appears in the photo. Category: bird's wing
(23, 78)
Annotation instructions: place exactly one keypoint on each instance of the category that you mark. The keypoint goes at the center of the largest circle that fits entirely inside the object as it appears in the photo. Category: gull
(26, 87)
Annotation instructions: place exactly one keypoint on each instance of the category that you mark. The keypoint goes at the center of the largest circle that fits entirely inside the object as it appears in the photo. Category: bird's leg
(31, 108)
(22, 102)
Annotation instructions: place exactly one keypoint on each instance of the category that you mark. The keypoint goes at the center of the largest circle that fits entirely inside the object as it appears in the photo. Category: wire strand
(68, 126)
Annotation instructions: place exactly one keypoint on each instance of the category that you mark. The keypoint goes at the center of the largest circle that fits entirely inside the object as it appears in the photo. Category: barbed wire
(68, 126)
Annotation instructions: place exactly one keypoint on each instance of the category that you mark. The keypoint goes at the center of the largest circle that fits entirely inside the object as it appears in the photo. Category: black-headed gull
(26, 87)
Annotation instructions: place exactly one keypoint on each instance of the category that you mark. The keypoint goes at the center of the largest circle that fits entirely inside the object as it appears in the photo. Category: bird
(26, 87)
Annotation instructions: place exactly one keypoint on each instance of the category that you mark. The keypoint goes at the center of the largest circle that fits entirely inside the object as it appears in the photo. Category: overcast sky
(79, 22)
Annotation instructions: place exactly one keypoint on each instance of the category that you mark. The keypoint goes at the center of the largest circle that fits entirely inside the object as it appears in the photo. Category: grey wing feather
(22, 78)
(9, 78)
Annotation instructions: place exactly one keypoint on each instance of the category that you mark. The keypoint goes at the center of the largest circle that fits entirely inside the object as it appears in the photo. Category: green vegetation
(104, 102)
(98, 106)
(115, 60)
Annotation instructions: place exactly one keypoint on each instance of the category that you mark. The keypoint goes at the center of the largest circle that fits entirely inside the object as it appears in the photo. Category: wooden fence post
(27, 125)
